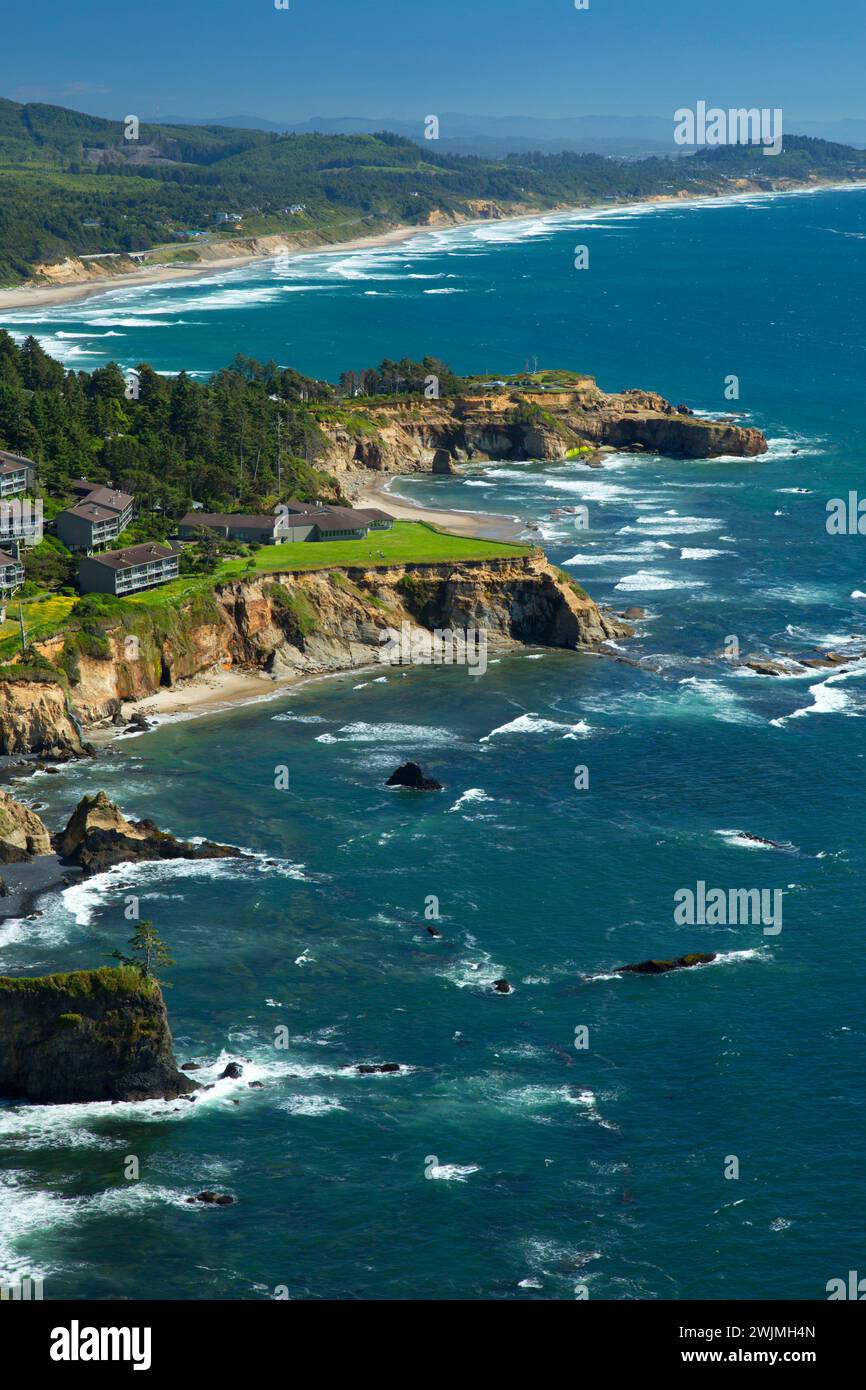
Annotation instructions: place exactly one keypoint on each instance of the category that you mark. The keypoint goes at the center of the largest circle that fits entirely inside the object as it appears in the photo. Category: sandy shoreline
(31, 296)
(485, 525)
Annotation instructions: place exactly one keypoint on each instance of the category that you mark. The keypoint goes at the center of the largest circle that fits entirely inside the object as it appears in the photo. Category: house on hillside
(17, 473)
(11, 572)
(128, 570)
(98, 519)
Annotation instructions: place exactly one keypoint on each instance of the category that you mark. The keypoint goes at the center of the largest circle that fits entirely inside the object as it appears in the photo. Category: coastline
(483, 525)
(21, 297)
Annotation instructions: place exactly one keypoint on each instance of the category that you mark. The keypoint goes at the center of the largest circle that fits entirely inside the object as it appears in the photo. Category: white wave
(533, 724)
(390, 733)
(300, 718)
(687, 554)
(724, 703)
(84, 899)
(311, 1105)
(451, 1172)
(471, 797)
(645, 581)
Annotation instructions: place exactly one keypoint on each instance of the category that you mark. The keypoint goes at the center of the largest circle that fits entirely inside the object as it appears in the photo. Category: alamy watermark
(737, 126)
(413, 646)
(727, 907)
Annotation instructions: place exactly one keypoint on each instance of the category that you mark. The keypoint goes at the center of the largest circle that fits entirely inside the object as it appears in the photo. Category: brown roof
(7, 559)
(333, 519)
(248, 522)
(375, 513)
(110, 497)
(89, 511)
(8, 460)
(134, 555)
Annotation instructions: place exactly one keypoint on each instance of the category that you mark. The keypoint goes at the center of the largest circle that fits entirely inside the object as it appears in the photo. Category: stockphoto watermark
(729, 907)
(22, 1288)
(414, 646)
(21, 520)
(737, 126)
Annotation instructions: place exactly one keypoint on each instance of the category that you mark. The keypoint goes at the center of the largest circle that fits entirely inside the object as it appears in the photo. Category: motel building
(98, 519)
(17, 474)
(127, 571)
(11, 573)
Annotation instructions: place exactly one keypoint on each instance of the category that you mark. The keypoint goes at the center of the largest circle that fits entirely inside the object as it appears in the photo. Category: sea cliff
(91, 1035)
(405, 436)
(294, 624)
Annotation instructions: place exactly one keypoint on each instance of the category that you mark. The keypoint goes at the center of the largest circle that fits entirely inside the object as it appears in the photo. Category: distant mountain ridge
(74, 185)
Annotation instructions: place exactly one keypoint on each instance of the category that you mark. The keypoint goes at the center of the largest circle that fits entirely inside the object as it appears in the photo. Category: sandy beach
(485, 525)
(28, 296)
(31, 295)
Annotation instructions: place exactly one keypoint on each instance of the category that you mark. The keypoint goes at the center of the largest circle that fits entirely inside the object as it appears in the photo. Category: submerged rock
(98, 835)
(369, 1068)
(502, 986)
(213, 1199)
(661, 967)
(411, 776)
(90, 1035)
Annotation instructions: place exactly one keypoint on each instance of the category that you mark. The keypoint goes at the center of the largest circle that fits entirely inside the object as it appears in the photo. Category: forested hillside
(72, 184)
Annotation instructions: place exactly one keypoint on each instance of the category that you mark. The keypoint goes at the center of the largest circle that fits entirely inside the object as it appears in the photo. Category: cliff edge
(91, 1035)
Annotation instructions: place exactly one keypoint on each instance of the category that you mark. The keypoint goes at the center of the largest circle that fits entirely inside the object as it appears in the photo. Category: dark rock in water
(433, 931)
(410, 775)
(768, 666)
(90, 1035)
(54, 771)
(502, 986)
(256, 1085)
(4, 888)
(634, 614)
(213, 1199)
(233, 1071)
(99, 835)
(191, 1066)
(368, 1068)
(827, 659)
(758, 839)
(683, 410)
(661, 967)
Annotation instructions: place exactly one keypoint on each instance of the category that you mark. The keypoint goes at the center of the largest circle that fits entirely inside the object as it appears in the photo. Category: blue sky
(406, 57)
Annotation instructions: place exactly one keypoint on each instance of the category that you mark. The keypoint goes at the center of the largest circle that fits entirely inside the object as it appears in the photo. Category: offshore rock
(91, 1035)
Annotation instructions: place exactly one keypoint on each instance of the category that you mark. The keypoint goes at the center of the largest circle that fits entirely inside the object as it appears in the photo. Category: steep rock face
(509, 423)
(331, 620)
(92, 1035)
(34, 719)
(22, 832)
(99, 835)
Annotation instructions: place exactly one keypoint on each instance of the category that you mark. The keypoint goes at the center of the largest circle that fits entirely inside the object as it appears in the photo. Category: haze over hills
(74, 185)
(500, 135)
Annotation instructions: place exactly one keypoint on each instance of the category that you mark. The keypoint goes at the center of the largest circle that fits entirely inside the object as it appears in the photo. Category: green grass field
(407, 543)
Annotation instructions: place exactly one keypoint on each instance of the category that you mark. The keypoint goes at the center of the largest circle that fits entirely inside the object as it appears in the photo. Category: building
(17, 474)
(295, 521)
(11, 572)
(129, 570)
(236, 526)
(96, 520)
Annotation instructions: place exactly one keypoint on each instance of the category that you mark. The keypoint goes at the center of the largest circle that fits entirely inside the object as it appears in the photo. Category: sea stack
(91, 1035)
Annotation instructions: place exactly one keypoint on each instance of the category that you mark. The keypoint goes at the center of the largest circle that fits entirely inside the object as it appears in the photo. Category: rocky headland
(91, 1035)
(574, 421)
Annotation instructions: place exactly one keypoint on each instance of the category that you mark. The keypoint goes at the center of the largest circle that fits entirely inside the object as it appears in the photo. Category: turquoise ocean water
(551, 1167)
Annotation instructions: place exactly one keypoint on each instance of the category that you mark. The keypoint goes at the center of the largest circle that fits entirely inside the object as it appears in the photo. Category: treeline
(240, 441)
(72, 184)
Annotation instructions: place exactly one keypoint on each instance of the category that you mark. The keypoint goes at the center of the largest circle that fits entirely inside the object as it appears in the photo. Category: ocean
(508, 1160)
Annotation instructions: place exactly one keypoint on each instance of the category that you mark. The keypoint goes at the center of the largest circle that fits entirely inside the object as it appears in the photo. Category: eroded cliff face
(22, 832)
(34, 718)
(91, 1035)
(405, 436)
(311, 623)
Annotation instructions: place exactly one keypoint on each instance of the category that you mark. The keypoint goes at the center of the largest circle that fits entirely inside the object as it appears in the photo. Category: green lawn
(407, 543)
